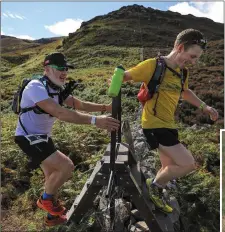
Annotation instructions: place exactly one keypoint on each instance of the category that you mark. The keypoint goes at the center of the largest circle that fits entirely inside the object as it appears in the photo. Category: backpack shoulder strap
(158, 70)
(36, 108)
(69, 88)
(185, 74)
(161, 64)
(158, 75)
(157, 79)
(44, 82)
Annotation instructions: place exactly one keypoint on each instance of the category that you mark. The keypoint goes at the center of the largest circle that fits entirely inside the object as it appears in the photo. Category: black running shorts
(36, 152)
(164, 136)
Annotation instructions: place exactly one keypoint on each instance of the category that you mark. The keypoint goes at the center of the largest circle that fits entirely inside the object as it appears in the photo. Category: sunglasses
(201, 42)
(58, 68)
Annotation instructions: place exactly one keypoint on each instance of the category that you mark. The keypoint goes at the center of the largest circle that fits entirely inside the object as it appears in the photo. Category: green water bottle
(117, 80)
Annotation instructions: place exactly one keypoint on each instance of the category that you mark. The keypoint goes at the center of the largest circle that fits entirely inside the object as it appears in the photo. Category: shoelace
(155, 189)
(54, 202)
(57, 203)
(158, 192)
(162, 197)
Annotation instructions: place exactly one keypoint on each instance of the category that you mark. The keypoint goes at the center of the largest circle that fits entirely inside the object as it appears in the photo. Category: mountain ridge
(165, 24)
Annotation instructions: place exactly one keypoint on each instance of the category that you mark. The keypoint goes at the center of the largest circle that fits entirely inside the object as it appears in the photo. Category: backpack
(146, 92)
(18, 94)
(63, 94)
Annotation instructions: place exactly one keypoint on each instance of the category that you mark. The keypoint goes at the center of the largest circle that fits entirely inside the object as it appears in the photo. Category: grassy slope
(199, 192)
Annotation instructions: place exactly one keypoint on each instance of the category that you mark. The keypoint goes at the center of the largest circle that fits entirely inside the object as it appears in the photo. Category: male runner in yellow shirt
(158, 117)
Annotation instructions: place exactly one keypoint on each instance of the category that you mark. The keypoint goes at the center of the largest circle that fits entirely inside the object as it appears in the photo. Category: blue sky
(35, 20)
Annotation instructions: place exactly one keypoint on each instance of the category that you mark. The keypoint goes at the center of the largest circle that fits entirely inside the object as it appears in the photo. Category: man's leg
(55, 176)
(156, 189)
(183, 163)
(47, 171)
(59, 169)
(165, 161)
(176, 162)
(56, 167)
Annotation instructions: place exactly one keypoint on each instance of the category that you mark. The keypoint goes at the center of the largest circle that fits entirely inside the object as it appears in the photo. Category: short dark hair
(190, 37)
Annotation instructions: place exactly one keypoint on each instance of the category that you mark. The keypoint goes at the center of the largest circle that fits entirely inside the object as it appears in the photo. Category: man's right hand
(108, 123)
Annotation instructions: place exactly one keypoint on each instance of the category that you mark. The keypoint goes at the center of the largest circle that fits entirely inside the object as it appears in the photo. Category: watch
(93, 120)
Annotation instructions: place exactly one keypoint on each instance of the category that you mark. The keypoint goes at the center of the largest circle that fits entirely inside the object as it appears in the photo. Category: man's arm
(191, 98)
(63, 114)
(141, 72)
(77, 104)
(127, 76)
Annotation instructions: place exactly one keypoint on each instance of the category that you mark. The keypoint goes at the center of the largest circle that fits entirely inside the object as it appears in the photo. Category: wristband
(93, 120)
(202, 106)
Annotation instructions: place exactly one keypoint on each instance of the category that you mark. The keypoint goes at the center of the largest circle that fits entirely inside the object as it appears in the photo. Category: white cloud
(24, 37)
(13, 16)
(19, 36)
(65, 27)
(13, 35)
(19, 17)
(5, 15)
(212, 10)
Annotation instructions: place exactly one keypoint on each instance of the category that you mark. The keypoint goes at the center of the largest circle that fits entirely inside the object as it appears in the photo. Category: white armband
(93, 120)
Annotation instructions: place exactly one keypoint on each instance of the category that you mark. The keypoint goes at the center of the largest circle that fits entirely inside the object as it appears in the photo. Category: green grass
(198, 192)
(85, 145)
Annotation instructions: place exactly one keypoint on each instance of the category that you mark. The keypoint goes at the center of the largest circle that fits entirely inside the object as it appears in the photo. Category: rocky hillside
(141, 27)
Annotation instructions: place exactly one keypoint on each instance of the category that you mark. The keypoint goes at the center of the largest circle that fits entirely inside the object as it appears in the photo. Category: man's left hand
(211, 112)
